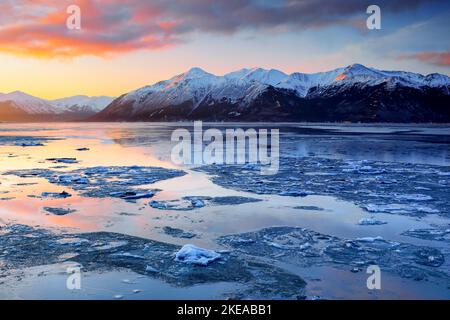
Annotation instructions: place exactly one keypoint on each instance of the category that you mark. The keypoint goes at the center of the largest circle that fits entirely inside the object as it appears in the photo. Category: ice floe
(194, 202)
(150, 269)
(29, 144)
(306, 248)
(413, 197)
(56, 195)
(59, 211)
(389, 187)
(72, 241)
(370, 239)
(178, 233)
(23, 246)
(404, 209)
(102, 182)
(438, 233)
(195, 255)
(132, 195)
(309, 208)
(370, 222)
(24, 141)
(63, 160)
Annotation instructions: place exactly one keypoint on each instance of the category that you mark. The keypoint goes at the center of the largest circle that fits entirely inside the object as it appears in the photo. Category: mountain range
(19, 106)
(355, 93)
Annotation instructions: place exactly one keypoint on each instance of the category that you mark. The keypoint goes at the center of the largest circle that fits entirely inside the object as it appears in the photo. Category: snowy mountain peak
(358, 72)
(271, 77)
(193, 73)
(82, 103)
(239, 74)
(437, 80)
(196, 72)
(357, 68)
(28, 103)
(75, 107)
(18, 95)
(196, 76)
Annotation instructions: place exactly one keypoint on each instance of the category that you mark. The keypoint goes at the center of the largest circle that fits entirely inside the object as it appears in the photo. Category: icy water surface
(107, 198)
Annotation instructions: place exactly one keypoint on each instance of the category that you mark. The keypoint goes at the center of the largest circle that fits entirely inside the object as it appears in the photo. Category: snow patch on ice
(195, 255)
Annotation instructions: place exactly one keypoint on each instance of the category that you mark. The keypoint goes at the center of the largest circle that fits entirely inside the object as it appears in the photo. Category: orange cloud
(436, 58)
(26, 40)
(38, 27)
(106, 29)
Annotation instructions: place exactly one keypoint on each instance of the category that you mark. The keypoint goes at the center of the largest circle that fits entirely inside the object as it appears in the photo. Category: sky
(124, 45)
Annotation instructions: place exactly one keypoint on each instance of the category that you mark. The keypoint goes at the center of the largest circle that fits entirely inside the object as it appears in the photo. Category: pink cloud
(435, 58)
(110, 27)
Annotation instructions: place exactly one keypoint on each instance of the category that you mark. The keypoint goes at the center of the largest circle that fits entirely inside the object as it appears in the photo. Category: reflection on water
(123, 285)
(147, 144)
(386, 148)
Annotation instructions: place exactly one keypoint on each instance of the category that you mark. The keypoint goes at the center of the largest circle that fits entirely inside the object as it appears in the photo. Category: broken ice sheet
(63, 160)
(437, 233)
(177, 205)
(72, 241)
(184, 204)
(309, 208)
(22, 246)
(132, 195)
(24, 141)
(178, 233)
(6, 198)
(56, 195)
(194, 202)
(103, 182)
(59, 211)
(404, 209)
(389, 187)
(306, 248)
(29, 144)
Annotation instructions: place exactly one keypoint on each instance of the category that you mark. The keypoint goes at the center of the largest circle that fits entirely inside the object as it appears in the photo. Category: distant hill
(19, 106)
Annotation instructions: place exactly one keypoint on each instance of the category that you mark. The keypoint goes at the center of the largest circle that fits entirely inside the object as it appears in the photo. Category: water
(148, 144)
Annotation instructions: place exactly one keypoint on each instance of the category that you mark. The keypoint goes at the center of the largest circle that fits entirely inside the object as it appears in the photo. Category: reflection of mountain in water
(392, 144)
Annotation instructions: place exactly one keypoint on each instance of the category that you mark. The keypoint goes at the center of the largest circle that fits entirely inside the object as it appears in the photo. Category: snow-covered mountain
(197, 94)
(28, 103)
(20, 106)
(83, 103)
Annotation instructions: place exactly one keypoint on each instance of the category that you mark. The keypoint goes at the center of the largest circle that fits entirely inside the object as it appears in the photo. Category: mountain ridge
(270, 95)
(20, 106)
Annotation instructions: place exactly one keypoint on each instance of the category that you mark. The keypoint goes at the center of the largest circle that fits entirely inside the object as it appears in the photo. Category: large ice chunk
(195, 255)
